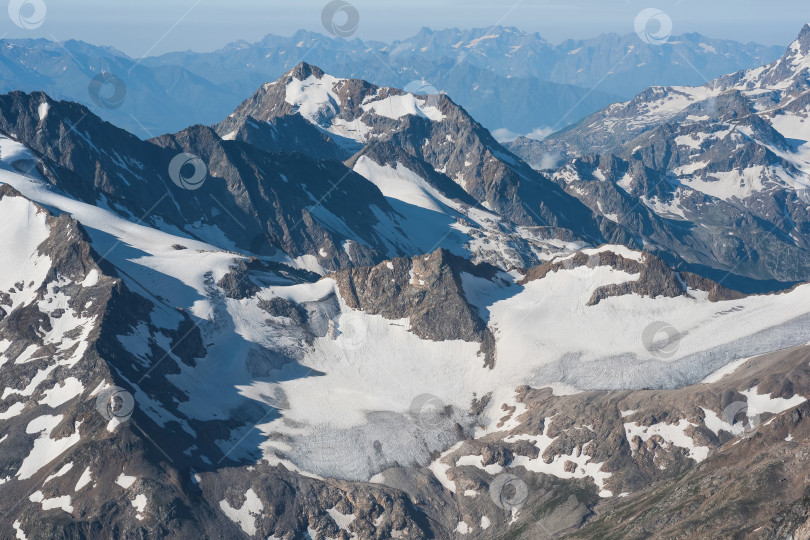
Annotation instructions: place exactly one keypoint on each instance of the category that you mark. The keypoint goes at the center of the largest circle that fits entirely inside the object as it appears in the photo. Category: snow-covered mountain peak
(304, 71)
(347, 112)
(322, 98)
(798, 54)
(423, 152)
(314, 97)
(802, 43)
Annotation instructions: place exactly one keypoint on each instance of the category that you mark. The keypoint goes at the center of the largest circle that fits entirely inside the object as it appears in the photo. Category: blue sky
(143, 27)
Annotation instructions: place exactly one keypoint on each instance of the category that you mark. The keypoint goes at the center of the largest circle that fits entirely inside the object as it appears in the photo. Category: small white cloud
(540, 133)
(549, 161)
(505, 135)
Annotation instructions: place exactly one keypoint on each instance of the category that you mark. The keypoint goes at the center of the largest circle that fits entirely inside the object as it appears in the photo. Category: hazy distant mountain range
(511, 81)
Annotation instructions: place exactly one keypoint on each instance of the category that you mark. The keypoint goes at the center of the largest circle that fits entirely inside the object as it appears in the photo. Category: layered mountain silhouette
(509, 80)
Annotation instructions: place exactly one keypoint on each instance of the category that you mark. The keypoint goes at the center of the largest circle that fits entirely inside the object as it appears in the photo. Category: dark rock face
(486, 171)
(279, 307)
(272, 200)
(428, 291)
(655, 278)
(262, 202)
(717, 292)
(496, 454)
(291, 501)
(237, 283)
(281, 134)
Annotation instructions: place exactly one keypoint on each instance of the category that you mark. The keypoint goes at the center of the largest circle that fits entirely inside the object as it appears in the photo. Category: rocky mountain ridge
(715, 174)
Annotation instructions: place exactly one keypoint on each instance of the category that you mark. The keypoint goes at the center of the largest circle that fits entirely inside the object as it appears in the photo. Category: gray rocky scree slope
(687, 462)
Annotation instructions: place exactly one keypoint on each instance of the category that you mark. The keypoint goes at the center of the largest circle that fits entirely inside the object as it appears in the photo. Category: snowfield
(365, 394)
(546, 335)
